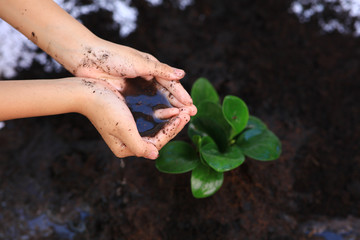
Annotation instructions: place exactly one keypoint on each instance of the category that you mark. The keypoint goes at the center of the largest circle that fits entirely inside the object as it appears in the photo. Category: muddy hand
(106, 60)
(178, 115)
(178, 106)
(83, 53)
(105, 107)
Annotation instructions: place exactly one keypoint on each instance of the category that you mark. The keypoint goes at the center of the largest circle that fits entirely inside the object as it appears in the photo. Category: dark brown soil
(143, 98)
(304, 84)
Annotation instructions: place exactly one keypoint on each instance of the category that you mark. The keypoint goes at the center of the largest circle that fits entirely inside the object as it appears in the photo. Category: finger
(162, 70)
(148, 56)
(148, 78)
(127, 132)
(166, 134)
(139, 147)
(172, 100)
(117, 147)
(190, 110)
(184, 119)
(176, 89)
(127, 141)
(157, 69)
(121, 150)
(166, 113)
(170, 131)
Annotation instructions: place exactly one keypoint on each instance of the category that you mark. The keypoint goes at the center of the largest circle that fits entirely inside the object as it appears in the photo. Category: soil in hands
(143, 98)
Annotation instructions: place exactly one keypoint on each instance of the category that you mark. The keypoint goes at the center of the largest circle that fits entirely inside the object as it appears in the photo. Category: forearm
(32, 98)
(50, 27)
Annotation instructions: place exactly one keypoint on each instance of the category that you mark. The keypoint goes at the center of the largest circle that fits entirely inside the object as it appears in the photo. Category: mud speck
(34, 37)
(87, 83)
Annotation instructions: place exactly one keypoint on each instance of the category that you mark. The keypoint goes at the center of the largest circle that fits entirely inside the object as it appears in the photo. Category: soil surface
(58, 179)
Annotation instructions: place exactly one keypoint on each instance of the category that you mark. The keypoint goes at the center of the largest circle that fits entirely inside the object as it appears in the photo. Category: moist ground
(304, 84)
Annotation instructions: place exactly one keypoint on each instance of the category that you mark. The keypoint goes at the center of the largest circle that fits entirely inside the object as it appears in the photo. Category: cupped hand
(106, 60)
(105, 107)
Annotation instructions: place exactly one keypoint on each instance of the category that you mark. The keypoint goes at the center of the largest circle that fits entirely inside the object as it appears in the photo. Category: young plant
(222, 135)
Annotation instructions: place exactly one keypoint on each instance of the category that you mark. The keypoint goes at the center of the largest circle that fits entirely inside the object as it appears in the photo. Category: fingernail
(179, 73)
(154, 155)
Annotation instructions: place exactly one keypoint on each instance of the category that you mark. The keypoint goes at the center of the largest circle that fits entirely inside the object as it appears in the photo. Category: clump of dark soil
(302, 83)
(143, 99)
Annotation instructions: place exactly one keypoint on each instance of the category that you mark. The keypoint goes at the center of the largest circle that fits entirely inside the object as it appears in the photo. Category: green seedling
(222, 135)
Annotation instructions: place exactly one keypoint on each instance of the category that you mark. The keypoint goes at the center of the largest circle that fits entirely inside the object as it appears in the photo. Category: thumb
(148, 151)
(139, 147)
(155, 68)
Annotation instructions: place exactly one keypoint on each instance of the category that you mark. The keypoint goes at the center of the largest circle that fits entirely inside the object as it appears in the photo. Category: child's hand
(105, 107)
(83, 53)
(105, 60)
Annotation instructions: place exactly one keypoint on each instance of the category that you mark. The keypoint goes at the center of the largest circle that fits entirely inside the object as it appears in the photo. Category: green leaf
(177, 157)
(212, 111)
(215, 131)
(210, 120)
(206, 140)
(221, 162)
(196, 140)
(192, 131)
(205, 181)
(255, 122)
(202, 90)
(236, 113)
(260, 144)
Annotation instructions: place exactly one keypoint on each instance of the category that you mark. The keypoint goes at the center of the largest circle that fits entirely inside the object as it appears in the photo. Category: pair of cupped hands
(103, 70)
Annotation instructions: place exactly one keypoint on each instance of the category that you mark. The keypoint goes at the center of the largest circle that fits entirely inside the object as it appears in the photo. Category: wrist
(91, 94)
(70, 94)
(73, 55)
(81, 96)
(89, 59)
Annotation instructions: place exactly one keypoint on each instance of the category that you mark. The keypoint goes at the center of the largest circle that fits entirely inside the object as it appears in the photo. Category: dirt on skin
(58, 179)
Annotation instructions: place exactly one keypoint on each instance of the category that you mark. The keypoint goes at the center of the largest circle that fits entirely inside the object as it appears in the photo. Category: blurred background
(296, 63)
